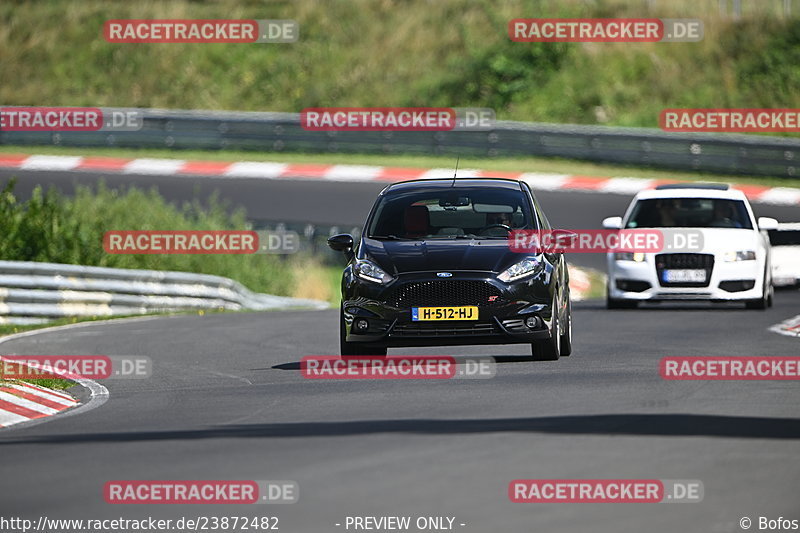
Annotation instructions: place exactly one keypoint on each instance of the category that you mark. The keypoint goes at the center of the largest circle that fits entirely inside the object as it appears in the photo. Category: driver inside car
(498, 218)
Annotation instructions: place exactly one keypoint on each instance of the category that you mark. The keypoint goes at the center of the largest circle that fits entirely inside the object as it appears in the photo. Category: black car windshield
(451, 213)
(784, 237)
(689, 213)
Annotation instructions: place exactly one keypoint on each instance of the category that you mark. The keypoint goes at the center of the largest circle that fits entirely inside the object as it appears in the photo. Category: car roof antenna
(455, 172)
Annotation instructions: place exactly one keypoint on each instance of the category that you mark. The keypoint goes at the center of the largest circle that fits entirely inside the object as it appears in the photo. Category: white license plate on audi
(684, 276)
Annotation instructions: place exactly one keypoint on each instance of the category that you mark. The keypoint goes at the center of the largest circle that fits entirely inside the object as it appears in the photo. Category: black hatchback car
(434, 267)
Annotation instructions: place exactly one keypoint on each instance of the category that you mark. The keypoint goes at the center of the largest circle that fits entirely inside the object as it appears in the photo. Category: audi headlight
(629, 256)
(524, 268)
(742, 255)
(369, 271)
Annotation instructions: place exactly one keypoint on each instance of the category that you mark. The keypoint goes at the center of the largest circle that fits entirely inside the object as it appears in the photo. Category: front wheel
(350, 349)
(771, 296)
(548, 349)
(566, 336)
(765, 300)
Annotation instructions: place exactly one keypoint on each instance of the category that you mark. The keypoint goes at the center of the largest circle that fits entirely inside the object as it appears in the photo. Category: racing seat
(416, 221)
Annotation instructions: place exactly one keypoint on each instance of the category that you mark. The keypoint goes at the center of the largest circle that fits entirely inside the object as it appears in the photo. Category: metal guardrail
(33, 293)
(282, 132)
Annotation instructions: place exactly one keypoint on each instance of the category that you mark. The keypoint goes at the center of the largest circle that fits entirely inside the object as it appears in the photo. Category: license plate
(467, 312)
(684, 275)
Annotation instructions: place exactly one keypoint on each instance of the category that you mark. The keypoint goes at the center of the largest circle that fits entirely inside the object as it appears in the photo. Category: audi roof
(692, 192)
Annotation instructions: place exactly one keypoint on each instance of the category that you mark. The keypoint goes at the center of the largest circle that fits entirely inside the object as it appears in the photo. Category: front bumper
(784, 277)
(502, 310)
(726, 281)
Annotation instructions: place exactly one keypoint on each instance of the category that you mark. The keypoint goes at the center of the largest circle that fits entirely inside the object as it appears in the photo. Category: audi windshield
(689, 213)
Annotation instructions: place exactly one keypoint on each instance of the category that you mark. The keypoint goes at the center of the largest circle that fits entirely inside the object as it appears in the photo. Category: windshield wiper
(390, 238)
(478, 237)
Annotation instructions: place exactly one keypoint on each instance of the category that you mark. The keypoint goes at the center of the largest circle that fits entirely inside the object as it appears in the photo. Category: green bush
(53, 228)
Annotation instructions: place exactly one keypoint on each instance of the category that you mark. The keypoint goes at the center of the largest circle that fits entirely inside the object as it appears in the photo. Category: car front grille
(445, 293)
(442, 330)
(684, 262)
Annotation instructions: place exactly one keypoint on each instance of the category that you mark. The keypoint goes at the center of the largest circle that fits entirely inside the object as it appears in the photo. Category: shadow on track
(655, 425)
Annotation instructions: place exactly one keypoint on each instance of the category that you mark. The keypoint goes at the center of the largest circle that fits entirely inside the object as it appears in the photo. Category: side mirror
(767, 224)
(612, 223)
(341, 243)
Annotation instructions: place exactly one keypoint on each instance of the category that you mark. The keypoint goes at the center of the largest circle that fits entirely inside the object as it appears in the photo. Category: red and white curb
(789, 327)
(359, 173)
(23, 402)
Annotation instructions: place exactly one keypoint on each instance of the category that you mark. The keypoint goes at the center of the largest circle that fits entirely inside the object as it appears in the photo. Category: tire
(350, 349)
(763, 302)
(548, 349)
(771, 296)
(566, 337)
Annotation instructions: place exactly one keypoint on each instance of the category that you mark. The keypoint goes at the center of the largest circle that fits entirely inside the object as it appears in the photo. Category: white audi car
(785, 240)
(714, 249)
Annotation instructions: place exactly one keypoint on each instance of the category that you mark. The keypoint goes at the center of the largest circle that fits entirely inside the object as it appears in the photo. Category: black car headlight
(520, 270)
(369, 271)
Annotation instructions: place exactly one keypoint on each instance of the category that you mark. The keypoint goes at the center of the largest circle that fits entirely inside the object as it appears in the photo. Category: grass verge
(321, 282)
(586, 283)
(55, 384)
(410, 53)
(597, 284)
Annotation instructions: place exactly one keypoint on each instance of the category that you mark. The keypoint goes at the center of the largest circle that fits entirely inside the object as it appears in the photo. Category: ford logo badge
(444, 274)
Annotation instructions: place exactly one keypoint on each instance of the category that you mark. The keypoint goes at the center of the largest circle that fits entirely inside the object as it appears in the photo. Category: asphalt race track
(227, 401)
